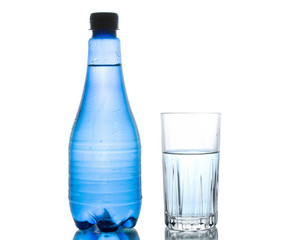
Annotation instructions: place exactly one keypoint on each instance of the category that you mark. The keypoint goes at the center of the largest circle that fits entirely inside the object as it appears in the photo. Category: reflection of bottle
(121, 234)
(104, 151)
(210, 234)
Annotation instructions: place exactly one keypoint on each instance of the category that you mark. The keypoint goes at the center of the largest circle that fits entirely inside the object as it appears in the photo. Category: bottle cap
(104, 21)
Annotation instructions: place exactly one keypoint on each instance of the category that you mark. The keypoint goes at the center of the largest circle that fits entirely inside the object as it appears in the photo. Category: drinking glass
(190, 147)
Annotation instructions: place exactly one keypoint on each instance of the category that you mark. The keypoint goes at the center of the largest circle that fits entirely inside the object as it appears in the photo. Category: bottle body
(104, 150)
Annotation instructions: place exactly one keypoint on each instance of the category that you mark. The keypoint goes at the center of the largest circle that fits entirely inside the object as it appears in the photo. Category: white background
(225, 56)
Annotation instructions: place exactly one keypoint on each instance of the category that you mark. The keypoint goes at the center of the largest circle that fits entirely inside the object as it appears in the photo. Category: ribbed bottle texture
(104, 151)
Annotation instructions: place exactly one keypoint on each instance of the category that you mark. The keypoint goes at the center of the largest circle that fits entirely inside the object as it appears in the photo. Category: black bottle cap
(104, 21)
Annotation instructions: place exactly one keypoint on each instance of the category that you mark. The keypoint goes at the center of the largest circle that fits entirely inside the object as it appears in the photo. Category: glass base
(190, 223)
(210, 234)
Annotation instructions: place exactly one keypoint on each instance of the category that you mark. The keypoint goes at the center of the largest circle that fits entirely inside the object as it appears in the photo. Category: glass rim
(191, 113)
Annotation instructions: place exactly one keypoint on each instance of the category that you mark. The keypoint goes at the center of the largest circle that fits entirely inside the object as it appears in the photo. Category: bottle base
(106, 225)
(83, 225)
(190, 223)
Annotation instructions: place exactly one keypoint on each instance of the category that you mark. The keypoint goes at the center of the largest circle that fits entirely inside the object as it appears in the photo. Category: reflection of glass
(95, 234)
(210, 234)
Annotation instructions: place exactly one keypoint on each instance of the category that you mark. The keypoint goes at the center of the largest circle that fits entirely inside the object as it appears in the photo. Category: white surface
(225, 56)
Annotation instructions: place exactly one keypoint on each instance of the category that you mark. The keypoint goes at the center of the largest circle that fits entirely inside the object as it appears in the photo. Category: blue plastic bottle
(104, 150)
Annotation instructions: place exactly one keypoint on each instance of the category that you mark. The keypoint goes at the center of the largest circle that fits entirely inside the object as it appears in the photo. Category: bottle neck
(104, 48)
(97, 33)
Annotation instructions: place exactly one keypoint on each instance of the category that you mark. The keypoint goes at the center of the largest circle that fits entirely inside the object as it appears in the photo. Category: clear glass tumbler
(191, 146)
